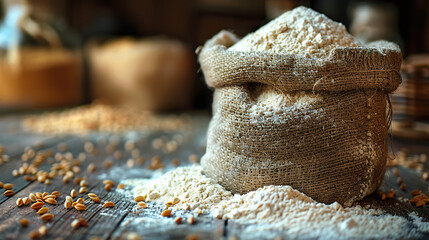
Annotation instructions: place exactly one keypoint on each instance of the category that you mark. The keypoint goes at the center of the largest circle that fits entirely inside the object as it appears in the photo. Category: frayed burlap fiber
(318, 125)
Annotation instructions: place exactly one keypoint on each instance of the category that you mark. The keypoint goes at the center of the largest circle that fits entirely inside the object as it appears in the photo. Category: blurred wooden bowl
(149, 74)
(41, 78)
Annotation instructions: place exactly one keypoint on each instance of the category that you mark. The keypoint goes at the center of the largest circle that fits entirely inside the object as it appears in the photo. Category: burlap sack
(317, 125)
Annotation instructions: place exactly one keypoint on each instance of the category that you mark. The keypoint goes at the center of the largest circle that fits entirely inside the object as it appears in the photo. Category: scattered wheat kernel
(193, 158)
(129, 145)
(24, 222)
(8, 186)
(9, 193)
(44, 194)
(41, 179)
(19, 202)
(73, 193)
(82, 157)
(192, 237)
(43, 210)
(83, 190)
(47, 182)
(169, 204)
(83, 222)
(108, 187)
(130, 163)
(26, 200)
(91, 168)
(178, 220)
(117, 154)
(75, 224)
(29, 178)
(121, 186)
(142, 204)
(49, 196)
(37, 205)
(89, 147)
(107, 164)
(47, 217)
(15, 173)
(32, 197)
(108, 204)
(425, 176)
(74, 204)
(66, 179)
(139, 198)
(80, 207)
(56, 193)
(191, 220)
(1, 184)
(176, 201)
(76, 169)
(139, 160)
(62, 147)
(51, 201)
(96, 200)
(77, 180)
(395, 171)
(83, 183)
(34, 235)
(403, 187)
(175, 162)
(166, 213)
(135, 153)
(67, 204)
(92, 195)
(109, 182)
(39, 195)
(69, 199)
(133, 236)
(43, 230)
(416, 192)
(80, 200)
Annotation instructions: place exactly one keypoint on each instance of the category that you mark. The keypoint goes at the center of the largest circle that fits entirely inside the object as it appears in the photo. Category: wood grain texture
(125, 218)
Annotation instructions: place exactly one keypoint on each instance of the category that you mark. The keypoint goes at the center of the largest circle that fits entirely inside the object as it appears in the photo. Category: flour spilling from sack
(272, 207)
(301, 31)
(195, 191)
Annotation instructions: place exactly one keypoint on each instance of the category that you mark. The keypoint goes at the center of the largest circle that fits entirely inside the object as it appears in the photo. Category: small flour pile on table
(301, 31)
(102, 118)
(271, 207)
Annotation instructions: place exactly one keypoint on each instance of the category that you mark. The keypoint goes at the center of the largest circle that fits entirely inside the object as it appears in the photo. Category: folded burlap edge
(375, 66)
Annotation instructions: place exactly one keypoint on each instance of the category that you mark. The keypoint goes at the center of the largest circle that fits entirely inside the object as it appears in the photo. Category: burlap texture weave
(318, 125)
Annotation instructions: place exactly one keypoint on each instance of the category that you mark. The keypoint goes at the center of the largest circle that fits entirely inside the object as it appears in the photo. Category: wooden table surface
(125, 218)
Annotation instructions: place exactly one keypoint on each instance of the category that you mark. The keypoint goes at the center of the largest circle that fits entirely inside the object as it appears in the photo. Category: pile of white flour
(282, 207)
(300, 31)
(272, 207)
(195, 191)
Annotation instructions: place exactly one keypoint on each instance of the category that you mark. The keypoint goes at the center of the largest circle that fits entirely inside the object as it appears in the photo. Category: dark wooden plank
(149, 224)
(16, 162)
(125, 218)
(102, 221)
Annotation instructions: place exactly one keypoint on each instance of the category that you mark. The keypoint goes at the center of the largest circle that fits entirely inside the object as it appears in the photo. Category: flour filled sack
(299, 102)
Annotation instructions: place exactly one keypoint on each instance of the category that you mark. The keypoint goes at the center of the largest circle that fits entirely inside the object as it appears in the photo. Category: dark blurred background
(194, 21)
(88, 27)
